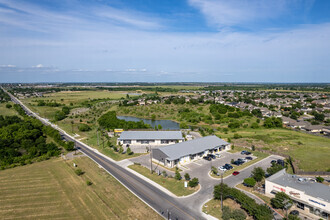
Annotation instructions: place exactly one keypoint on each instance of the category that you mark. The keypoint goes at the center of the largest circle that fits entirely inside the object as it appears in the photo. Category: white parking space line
(197, 163)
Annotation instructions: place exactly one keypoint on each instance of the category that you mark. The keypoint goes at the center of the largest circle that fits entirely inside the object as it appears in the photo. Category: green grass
(213, 207)
(80, 96)
(173, 185)
(310, 152)
(7, 111)
(51, 189)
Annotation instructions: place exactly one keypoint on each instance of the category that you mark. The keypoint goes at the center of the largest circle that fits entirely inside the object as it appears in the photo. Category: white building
(307, 195)
(185, 152)
(150, 137)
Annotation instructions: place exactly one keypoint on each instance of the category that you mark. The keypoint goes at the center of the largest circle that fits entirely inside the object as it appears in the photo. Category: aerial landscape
(165, 109)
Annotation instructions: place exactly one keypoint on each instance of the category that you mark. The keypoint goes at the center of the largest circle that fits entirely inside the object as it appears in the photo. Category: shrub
(79, 172)
(88, 182)
(193, 182)
(237, 136)
(164, 173)
(187, 176)
(319, 179)
(253, 148)
(238, 214)
(250, 182)
(278, 201)
(129, 151)
(177, 175)
(214, 170)
(8, 105)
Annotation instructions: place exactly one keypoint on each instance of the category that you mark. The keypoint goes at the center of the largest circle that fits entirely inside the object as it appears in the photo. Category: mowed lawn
(51, 189)
(310, 152)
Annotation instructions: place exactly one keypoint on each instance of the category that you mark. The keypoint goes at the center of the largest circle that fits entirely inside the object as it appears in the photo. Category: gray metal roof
(176, 151)
(316, 190)
(151, 135)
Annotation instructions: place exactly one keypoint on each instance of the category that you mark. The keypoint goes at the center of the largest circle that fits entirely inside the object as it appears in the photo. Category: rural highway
(167, 206)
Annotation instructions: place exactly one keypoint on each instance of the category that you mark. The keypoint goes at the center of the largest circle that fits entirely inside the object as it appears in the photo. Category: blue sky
(165, 41)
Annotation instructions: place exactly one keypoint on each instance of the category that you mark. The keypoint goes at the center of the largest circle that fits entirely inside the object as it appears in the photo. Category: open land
(51, 189)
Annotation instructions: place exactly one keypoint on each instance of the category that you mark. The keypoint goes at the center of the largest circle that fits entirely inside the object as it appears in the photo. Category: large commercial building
(150, 137)
(307, 195)
(188, 151)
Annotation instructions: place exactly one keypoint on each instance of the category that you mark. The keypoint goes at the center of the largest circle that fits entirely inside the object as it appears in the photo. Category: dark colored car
(243, 152)
(249, 158)
(238, 162)
(207, 158)
(235, 173)
(294, 212)
(247, 153)
(273, 161)
(281, 162)
(228, 166)
(211, 155)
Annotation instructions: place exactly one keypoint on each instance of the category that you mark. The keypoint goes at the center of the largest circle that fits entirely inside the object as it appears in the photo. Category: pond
(166, 124)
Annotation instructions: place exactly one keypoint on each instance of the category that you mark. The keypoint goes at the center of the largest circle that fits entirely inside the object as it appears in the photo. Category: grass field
(67, 97)
(173, 185)
(7, 111)
(51, 189)
(310, 152)
(213, 207)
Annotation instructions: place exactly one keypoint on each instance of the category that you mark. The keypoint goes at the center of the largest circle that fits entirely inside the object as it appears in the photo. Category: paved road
(158, 200)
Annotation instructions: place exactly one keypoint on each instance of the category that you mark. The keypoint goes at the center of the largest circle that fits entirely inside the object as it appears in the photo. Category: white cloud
(224, 13)
(8, 66)
(38, 66)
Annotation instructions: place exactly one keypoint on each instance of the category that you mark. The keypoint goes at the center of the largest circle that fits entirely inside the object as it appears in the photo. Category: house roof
(151, 135)
(195, 146)
(316, 190)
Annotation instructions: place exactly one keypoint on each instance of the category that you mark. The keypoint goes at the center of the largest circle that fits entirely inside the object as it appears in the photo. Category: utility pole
(221, 190)
(150, 159)
(97, 133)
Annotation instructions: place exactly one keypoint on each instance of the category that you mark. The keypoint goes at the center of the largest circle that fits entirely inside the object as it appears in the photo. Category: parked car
(249, 158)
(242, 160)
(294, 212)
(247, 153)
(280, 162)
(218, 155)
(207, 158)
(235, 173)
(222, 168)
(273, 161)
(238, 162)
(211, 155)
(243, 152)
(228, 166)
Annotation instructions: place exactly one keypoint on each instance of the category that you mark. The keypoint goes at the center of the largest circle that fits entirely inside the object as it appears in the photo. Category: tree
(279, 201)
(253, 148)
(238, 214)
(254, 125)
(258, 174)
(129, 151)
(65, 110)
(250, 182)
(273, 122)
(214, 170)
(59, 115)
(8, 105)
(193, 182)
(121, 149)
(177, 175)
(83, 127)
(153, 117)
(187, 176)
(160, 127)
(293, 217)
(88, 183)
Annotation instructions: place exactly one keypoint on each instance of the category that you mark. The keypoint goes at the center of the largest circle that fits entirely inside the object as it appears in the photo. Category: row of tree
(110, 121)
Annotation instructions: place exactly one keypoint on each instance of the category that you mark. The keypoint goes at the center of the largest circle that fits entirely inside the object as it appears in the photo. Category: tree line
(110, 121)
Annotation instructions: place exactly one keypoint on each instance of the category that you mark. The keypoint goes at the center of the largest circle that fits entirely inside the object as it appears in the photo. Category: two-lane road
(167, 206)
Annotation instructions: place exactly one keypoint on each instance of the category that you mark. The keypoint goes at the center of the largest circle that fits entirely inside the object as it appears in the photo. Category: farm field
(51, 189)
